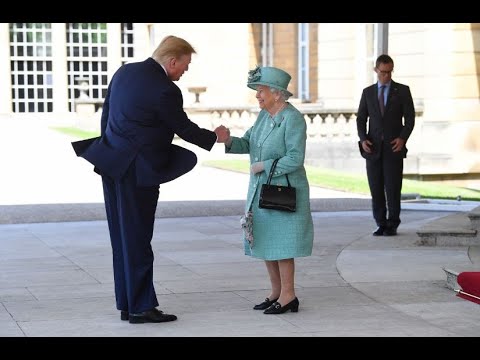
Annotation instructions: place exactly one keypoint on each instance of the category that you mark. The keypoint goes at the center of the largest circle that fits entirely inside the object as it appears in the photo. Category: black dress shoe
(150, 316)
(390, 231)
(264, 305)
(123, 315)
(277, 308)
(380, 231)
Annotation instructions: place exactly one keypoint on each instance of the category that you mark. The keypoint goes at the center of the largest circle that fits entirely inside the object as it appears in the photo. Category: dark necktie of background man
(381, 99)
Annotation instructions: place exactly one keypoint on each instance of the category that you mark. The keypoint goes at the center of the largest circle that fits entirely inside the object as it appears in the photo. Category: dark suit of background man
(383, 145)
(142, 112)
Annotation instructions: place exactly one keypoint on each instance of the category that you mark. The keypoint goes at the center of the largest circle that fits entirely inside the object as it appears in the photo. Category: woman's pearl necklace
(281, 108)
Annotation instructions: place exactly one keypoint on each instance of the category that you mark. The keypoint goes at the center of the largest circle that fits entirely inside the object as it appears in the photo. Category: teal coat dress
(278, 234)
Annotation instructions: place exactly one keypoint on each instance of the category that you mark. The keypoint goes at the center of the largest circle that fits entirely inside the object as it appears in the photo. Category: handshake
(223, 135)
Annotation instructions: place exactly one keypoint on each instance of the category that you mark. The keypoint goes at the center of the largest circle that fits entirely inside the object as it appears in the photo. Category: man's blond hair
(172, 47)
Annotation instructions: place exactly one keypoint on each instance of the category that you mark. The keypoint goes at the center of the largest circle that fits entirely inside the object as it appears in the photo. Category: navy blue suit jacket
(398, 119)
(142, 112)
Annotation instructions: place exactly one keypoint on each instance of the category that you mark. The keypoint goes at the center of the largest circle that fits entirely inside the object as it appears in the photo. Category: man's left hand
(397, 144)
(223, 134)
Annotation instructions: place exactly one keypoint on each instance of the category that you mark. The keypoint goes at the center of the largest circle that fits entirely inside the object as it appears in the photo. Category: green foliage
(439, 191)
(76, 132)
(242, 166)
(358, 183)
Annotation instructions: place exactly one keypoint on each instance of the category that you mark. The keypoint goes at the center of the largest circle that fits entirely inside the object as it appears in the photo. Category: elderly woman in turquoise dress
(278, 236)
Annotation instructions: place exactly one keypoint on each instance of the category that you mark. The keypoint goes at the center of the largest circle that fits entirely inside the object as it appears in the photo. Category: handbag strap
(271, 173)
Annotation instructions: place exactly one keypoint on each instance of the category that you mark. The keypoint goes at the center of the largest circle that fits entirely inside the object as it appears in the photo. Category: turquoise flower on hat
(255, 74)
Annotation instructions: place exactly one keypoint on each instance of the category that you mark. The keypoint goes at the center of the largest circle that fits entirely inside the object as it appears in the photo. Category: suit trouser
(131, 215)
(385, 176)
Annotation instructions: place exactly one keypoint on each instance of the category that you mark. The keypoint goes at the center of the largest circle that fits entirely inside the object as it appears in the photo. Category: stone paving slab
(355, 284)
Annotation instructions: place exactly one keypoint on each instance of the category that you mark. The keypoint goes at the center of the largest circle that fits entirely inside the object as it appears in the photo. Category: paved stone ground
(56, 281)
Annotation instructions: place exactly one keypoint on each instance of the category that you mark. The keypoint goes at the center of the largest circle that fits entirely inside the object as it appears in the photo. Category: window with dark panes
(86, 60)
(30, 65)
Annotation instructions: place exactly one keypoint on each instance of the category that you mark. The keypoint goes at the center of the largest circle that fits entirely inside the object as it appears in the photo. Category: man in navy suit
(388, 107)
(142, 112)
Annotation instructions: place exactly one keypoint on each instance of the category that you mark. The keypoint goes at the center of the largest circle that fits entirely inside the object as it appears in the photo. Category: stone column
(143, 45)
(59, 68)
(451, 94)
(114, 48)
(5, 74)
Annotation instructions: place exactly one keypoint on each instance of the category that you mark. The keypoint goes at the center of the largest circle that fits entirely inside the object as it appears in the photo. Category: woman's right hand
(257, 167)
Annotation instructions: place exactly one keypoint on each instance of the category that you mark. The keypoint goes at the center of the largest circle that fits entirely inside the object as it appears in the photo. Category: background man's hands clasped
(397, 145)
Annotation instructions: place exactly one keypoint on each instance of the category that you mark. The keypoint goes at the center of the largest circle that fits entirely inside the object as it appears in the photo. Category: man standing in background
(388, 108)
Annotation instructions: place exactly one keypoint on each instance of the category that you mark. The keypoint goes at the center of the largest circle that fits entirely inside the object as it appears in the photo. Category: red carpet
(470, 284)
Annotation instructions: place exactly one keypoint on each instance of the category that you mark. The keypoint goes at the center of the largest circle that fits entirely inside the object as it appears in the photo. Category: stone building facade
(59, 73)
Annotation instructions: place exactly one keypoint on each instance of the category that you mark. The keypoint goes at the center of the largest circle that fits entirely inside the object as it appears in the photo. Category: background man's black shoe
(380, 231)
(150, 316)
(390, 231)
(123, 315)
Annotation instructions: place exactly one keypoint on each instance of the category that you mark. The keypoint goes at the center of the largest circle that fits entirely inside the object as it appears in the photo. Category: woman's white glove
(257, 167)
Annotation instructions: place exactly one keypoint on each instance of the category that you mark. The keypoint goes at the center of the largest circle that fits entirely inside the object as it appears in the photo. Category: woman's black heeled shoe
(277, 308)
(264, 305)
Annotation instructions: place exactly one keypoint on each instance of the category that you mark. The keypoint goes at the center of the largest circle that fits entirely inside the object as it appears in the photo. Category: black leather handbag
(276, 197)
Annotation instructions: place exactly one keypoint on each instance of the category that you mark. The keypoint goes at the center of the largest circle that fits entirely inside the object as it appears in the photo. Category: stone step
(452, 273)
(474, 255)
(474, 217)
(450, 230)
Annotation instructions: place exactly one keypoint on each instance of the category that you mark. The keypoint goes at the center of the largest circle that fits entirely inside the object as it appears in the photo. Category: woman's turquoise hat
(269, 76)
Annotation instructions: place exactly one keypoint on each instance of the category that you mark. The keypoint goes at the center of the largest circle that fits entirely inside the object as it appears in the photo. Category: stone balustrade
(322, 124)
(332, 133)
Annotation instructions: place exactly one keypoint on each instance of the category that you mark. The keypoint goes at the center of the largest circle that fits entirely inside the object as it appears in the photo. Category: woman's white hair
(283, 94)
